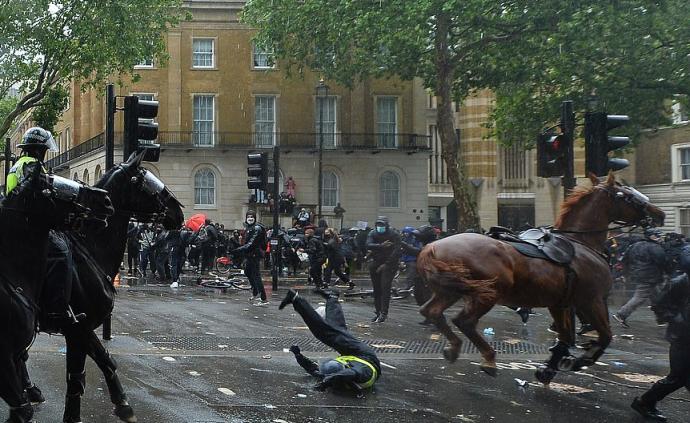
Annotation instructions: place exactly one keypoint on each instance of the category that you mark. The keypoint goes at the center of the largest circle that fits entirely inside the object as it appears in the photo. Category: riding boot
(76, 384)
(22, 414)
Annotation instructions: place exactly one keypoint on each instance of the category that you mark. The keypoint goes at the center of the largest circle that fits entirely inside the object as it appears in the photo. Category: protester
(146, 236)
(317, 255)
(357, 368)
(336, 258)
(252, 251)
(209, 238)
(132, 248)
(384, 245)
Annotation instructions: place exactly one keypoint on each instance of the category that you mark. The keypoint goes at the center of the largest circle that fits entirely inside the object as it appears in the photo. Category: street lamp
(321, 97)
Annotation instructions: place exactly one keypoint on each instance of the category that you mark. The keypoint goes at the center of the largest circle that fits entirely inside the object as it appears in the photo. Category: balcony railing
(347, 142)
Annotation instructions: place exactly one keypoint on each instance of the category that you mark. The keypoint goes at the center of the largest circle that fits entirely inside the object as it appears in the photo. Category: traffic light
(598, 143)
(139, 127)
(552, 154)
(257, 171)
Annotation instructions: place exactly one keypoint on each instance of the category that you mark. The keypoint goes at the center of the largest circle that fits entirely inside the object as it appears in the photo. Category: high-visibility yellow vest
(346, 359)
(16, 173)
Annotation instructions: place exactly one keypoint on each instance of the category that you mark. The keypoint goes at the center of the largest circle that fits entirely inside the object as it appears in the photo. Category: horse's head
(628, 205)
(66, 203)
(139, 193)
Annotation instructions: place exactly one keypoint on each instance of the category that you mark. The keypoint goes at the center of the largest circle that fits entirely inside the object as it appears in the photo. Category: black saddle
(537, 243)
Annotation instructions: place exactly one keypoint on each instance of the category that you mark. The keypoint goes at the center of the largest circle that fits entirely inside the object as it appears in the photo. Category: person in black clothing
(423, 235)
(349, 248)
(672, 306)
(358, 368)
(222, 249)
(160, 246)
(316, 252)
(673, 246)
(208, 246)
(252, 251)
(384, 244)
(132, 248)
(336, 258)
(234, 244)
(646, 262)
(177, 244)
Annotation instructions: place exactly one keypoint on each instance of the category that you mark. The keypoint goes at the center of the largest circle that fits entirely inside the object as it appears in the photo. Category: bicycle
(399, 288)
(234, 282)
(224, 264)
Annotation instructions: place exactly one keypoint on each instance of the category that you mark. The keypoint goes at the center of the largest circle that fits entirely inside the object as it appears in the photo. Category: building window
(98, 173)
(203, 55)
(203, 120)
(144, 64)
(86, 177)
(204, 188)
(265, 120)
(389, 185)
(325, 108)
(75, 177)
(263, 58)
(67, 141)
(684, 156)
(684, 221)
(386, 121)
(679, 113)
(329, 189)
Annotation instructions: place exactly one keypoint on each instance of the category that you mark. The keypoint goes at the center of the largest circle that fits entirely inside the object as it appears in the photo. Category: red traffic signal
(552, 154)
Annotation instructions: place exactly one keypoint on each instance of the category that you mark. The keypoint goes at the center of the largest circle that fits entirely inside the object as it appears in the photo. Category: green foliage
(47, 114)
(45, 43)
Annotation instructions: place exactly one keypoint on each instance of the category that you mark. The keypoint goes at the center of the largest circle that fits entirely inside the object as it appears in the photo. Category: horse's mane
(577, 194)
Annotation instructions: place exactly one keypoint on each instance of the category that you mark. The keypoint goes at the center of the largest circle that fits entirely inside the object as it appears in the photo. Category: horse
(484, 271)
(98, 252)
(40, 203)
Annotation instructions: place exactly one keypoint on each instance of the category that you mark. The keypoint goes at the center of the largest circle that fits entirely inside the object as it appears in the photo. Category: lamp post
(321, 97)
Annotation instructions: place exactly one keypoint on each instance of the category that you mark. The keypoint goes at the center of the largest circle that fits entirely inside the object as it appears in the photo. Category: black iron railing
(347, 142)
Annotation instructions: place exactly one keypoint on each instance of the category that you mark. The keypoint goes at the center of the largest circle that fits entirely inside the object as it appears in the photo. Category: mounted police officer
(672, 306)
(384, 244)
(252, 250)
(646, 262)
(56, 294)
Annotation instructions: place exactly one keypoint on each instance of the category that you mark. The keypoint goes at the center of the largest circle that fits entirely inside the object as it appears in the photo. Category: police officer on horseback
(55, 311)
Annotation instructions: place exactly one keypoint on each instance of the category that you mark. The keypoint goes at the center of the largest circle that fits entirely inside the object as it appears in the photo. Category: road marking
(228, 392)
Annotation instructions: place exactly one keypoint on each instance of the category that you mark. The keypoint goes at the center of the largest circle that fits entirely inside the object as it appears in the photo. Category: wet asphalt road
(201, 356)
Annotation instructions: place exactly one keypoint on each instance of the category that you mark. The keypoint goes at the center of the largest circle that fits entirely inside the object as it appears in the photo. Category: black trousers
(335, 266)
(132, 256)
(316, 272)
(253, 273)
(58, 288)
(678, 377)
(332, 331)
(382, 282)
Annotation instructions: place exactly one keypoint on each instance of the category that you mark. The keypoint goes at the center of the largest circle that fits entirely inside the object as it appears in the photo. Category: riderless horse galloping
(484, 271)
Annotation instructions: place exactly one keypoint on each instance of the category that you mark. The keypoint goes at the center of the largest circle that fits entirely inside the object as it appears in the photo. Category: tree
(530, 52)
(47, 43)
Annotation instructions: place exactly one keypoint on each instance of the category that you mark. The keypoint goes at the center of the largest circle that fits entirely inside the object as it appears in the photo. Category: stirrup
(76, 318)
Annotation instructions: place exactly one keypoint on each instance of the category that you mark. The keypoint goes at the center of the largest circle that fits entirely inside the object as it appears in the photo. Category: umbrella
(195, 222)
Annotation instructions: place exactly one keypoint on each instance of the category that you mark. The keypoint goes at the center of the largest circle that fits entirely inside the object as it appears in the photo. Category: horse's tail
(454, 275)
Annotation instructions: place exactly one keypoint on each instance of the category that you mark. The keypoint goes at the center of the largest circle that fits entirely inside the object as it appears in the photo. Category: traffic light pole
(110, 127)
(568, 128)
(275, 239)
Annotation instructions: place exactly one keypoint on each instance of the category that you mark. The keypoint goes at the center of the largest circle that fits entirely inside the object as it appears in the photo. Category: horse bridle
(151, 185)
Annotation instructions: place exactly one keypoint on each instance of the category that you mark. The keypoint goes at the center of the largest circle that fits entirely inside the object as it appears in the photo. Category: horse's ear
(611, 179)
(594, 179)
(135, 159)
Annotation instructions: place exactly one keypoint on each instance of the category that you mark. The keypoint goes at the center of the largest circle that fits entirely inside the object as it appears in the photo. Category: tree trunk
(466, 206)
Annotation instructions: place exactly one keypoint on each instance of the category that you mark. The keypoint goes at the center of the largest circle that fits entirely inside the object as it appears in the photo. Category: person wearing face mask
(252, 251)
(384, 245)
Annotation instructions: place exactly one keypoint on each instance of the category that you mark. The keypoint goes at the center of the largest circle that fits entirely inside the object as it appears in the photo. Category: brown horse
(484, 272)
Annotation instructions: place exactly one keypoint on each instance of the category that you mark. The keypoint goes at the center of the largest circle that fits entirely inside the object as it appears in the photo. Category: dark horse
(98, 253)
(40, 203)
(484, 272)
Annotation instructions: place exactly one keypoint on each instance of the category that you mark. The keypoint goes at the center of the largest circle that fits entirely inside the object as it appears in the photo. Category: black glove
(295, 349)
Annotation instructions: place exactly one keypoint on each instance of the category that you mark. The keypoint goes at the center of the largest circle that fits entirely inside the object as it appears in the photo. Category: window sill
(202, 68)
(144, 67)
(205, 207)
(264, 68)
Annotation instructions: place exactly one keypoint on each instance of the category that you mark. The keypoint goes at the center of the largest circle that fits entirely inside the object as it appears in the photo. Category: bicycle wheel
(240, 283)
(223, 265)
(216, 284)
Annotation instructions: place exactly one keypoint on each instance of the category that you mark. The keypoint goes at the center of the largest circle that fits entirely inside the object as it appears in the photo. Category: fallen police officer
(357, 368)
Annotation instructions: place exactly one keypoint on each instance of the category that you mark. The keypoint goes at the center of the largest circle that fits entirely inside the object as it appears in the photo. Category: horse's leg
(433, 310)
(33, 393)
(76, 376)
(466, 321)
(108, 366)
(562, 318)
(12, 391)
(597, 315)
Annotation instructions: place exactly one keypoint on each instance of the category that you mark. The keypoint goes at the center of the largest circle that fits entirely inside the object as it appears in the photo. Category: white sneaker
(262, 303)
(174, 285)
(253, 298)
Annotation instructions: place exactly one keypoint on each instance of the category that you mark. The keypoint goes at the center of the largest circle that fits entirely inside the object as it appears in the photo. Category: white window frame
(332, 191)
(676, 162)
(145, 64)
(383, 128)
(265, 121)
(210, 191)
(205, 53)
(196, 134)
(268, 55)
(382, 191)
(330, 121)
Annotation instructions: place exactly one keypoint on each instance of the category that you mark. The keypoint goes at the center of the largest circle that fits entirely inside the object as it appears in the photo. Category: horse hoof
(23, 414)
(450, 354)
(567, 364)
(489, 368)
(125, 413)
(545, 375)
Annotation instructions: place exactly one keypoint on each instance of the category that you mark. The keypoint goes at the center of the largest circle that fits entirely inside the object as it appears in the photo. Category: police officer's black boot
(648, 411)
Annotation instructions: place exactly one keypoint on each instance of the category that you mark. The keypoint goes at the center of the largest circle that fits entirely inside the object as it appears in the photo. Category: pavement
(201, 355)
